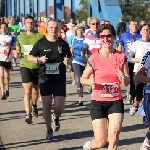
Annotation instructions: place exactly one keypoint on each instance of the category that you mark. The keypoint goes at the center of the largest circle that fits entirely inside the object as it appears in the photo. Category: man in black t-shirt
(52, 54)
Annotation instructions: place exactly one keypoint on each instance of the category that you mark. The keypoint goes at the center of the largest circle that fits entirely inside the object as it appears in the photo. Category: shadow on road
(131, 141)
(133, 127)
(58, 138)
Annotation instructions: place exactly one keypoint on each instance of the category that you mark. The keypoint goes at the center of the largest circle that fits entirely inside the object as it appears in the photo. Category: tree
(84, 4)
(135, 9)
(82, 13)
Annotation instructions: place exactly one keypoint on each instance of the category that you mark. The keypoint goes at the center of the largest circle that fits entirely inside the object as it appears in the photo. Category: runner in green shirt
(26, 42)
(29, 71)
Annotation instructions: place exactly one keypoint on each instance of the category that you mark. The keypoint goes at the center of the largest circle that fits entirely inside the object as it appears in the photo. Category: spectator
(121, 27)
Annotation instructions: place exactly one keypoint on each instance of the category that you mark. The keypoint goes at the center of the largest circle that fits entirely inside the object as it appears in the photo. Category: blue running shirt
(127, 39)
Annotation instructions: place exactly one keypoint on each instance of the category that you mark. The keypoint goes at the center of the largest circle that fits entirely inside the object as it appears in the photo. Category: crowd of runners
(46, 47)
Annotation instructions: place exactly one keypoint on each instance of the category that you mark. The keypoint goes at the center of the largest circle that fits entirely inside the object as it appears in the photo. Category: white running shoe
(73, 82)
(145, 146)
(40, 99)
(133, 110)
(86, 146)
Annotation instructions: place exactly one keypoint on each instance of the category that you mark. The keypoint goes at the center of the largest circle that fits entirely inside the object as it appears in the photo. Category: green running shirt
(26, 42)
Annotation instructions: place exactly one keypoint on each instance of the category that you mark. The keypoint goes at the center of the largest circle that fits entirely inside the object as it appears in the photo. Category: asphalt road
(76, 126)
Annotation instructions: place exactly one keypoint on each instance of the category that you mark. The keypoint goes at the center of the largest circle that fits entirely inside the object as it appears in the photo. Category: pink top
(107, 87)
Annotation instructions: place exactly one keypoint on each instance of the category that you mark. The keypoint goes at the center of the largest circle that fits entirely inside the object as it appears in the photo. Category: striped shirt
(91, 43)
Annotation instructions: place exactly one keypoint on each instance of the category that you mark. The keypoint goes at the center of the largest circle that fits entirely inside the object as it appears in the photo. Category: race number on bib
(52, 68)
(110, 89)
(27, 49)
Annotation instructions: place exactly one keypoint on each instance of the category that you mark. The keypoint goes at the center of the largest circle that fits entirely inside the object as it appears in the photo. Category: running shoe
(145, 146)
(40, 99)
(49, 134)
(133, 110)
(7, 93)
(34, 111)
(80, 101)
(145, 121)
(86, 146)
(55, 124)
(28, 119)
(73, 82)
(130, 100)
(3, 96)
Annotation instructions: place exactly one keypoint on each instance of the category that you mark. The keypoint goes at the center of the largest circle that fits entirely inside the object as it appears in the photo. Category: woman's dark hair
(143, 26)
(109, 27)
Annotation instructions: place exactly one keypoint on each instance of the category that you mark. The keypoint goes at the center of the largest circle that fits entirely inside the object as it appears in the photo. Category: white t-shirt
(139, 48)
(69, 33)
(146, 63)
(5, 51)
(21, 24)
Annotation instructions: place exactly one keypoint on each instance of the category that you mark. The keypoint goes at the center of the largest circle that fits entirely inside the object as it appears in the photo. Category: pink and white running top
(107, 87)
(91, 44)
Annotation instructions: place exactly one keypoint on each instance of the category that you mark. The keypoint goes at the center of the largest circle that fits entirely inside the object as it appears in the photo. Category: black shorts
(48, 88)
(103, 109)
(29, 75)
(6, 65)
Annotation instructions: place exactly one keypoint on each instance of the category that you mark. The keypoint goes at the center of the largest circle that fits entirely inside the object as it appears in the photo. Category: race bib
(27, 49)
(129, 47)
(52, 68)
(110, 89)
(3, 53)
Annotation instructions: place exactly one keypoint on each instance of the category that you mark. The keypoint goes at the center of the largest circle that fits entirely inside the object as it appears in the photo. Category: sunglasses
(105, 36)
(95, 23)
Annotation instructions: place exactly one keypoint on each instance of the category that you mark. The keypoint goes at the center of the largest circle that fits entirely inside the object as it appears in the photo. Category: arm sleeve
(131, 55)
(145, 60)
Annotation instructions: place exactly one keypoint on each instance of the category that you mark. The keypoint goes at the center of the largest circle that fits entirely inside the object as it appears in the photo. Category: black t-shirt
(55, 52)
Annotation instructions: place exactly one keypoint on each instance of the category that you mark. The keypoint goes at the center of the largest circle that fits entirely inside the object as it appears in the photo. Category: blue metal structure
(102, 9)
(58, 9)
(105, 9)
(19, 8)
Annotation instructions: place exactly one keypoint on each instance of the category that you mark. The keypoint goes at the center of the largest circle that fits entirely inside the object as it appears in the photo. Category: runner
(6, 45)
(91, 43)
(52, 53)
(70, 34)
(29, 71)
(78, 64)
(110, 69)
(125, 42)
(138, 49)
(142, 77)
